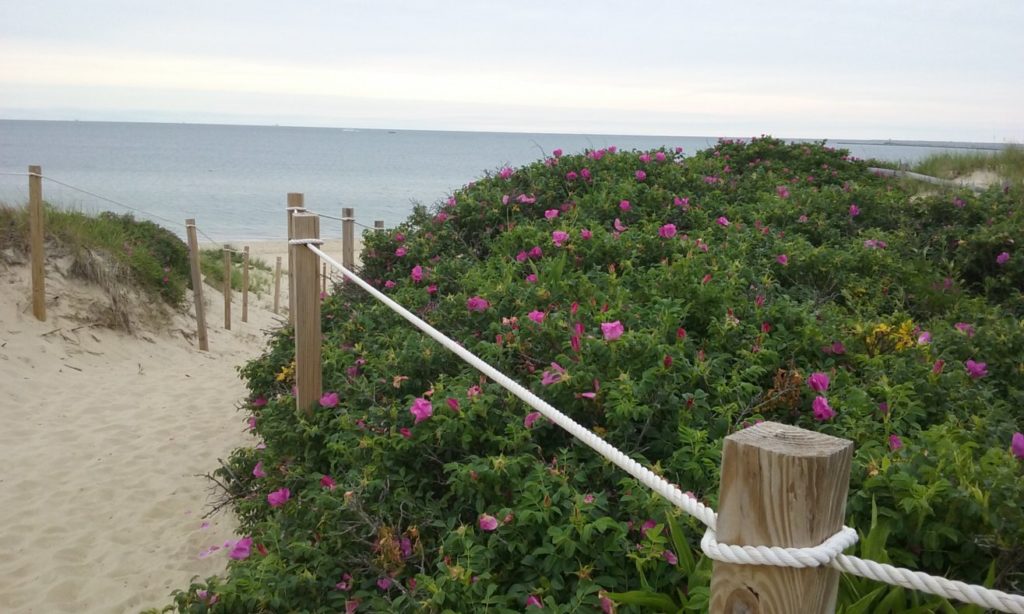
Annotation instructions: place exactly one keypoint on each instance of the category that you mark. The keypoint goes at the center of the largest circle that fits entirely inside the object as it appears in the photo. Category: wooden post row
(197, 284)
(295, 201)
(348, 238)
(308, 375)
(277, 286)
(35, 231)
(245, 283)
(781, 486)
(378, 224)
(227, 288)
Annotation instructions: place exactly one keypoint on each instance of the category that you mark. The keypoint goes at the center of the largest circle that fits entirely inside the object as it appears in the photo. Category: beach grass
(1007, 163)
(211, 262)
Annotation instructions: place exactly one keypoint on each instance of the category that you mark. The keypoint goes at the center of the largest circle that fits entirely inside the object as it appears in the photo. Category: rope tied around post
(817, 556)
(305, 242)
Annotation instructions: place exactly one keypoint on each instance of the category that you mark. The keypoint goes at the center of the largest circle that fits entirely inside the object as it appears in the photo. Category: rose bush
(736, 286)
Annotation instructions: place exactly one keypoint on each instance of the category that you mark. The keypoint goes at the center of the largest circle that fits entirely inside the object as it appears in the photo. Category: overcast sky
(912, 69)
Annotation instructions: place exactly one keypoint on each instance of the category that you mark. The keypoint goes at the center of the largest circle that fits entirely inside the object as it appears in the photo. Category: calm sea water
(233, 179)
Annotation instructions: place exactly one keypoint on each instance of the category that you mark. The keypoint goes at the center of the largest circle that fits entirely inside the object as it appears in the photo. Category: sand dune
(102, 436)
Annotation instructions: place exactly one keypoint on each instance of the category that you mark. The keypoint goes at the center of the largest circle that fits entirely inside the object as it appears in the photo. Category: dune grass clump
(211, 262)
(664, 301)
(1007, 164)
(109, 248)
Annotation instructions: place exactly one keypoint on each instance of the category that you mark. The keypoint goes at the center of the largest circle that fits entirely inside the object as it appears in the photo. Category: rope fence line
(828, 553)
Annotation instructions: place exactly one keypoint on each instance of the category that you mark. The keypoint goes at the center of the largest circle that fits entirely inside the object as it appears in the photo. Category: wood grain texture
(348, 238)
(245, 284)
(35, 232)
(227, 289)
(295, 199)
(197, 285)
(308, 373)
(277, 286)
(781, 486)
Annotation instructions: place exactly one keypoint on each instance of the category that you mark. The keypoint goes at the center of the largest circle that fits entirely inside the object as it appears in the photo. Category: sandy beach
(104, 441)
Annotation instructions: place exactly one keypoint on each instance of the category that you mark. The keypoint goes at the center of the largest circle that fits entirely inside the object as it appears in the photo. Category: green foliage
(1007, 164)
(156, 258)
(717, 335)
(211, 263)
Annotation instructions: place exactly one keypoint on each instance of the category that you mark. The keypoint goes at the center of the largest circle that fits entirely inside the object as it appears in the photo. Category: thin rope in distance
(747, 555)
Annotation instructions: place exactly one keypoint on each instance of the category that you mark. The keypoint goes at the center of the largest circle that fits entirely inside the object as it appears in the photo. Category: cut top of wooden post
(781, 486)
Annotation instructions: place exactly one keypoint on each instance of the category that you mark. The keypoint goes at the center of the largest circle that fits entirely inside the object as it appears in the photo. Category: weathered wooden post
(295, 203)
(277, 286)
(348, 238)
(323, 280)
(378, 225)
(35, 232)
(245, 283)
(197, 284)
(781, 486)
(308, 375)
(227, 288)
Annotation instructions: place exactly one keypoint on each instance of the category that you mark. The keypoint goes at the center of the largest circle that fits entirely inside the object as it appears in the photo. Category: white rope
(829, 552)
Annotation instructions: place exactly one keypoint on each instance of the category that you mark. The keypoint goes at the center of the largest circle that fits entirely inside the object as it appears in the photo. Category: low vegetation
(1007, 164)
(211, 262)
(665, 301)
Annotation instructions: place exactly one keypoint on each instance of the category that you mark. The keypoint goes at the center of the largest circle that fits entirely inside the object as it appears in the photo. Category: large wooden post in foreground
(197, 284)
(227, 288)
(277, 286)
(295, 203)
(35, 232)
(245, 284)
(308, 375)
(348, 238)
(781, 486)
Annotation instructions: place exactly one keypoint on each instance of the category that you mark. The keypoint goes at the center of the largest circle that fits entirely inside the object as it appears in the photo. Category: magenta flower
(965, 328)
(536, 253)
(722, 221)
(328, 482)
(624, 205)
(640, 175)
(422, 409)
(802, 219)
(536, 316)
(346, 582)
(279, 497)
(937, 367)
(505, 173)
(612, 330)
(782, 259)
(405, 432)
(1003, 258)
(258, 471)
(417, 273)
(384, 584)
(241, 549)
(473, 392)
(782, 191)
(854, 210)
(477, 303)
(895, 443)
(660, 156)
(645, 158)
(588, 498)
(329, 399)
(558, 237)
(924, 338)
(531, 278)
(557, 374)
(533, 601)
(976, 370)
(252, 424)
(551, 214)
(875, 244)
(522, 256)
(667, 231)
(822, 411)
(389, 284)
(453, 403)
(571, 176)
(1017, 445)
(400, 252)
(259, 401)
(530, 418)
(619, 226)
(585, 234)
(557, 153)
(432, 289)
(487, 522)
(585, 174)
(670, 557)
(818, 381)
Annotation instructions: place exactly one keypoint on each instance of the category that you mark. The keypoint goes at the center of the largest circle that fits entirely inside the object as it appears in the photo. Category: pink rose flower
(258, 471)
(612, 330)
(822, 410)
(818, 381)
(782, 259)
(722, 221)
(241, 549)
(895, 443)
(328, 482)
(559, 237)
(530, 418)
(976, 370)
(667, 231)
(279, 497)
(421, 409)
(487, 522)
(536, 316)
(329, 399)
(477, 303)
(1017, 445)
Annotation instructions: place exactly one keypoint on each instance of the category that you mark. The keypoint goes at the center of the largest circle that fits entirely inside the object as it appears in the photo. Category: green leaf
(649, 599)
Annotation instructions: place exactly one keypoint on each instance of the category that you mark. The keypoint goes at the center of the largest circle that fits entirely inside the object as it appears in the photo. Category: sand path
(102, 436)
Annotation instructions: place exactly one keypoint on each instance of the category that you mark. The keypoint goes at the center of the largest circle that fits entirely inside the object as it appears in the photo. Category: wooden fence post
(323, 279)
(378, 225)
(227, 288)
(35, 232)
(781, 486)
(197, 285)
(308, 374)
(295, 202)
(277, 285)
(245, 283)
(348, 238)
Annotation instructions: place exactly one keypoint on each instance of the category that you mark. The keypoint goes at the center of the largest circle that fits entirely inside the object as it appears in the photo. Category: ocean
(234, 179)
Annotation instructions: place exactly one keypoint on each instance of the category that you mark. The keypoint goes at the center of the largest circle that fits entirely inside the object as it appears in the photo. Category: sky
(863, 69)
